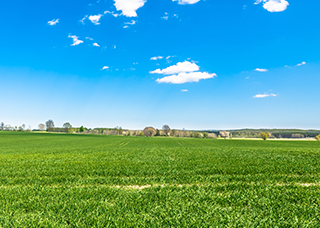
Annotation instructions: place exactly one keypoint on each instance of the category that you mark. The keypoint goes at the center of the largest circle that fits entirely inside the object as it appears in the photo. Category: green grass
(58, 180)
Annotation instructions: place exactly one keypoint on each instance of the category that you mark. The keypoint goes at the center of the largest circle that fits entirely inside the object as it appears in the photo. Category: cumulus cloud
(182, 72)
(95, 19)
(274, 5)
(53, 22)
(300, 64)
(105, 68)
(181, 67)
(129, 7)
(96, 45)
(76, 40)
(264, 95)
(156, 58)
(261, 70)
(185, 77)
(184, 2)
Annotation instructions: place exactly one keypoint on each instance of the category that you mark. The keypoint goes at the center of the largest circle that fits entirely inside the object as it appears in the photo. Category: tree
(318, 137)
(1, 126)
(67, 127)
(141, 133)
(158, 133)
(224, 134)
(41, 127)
(166, 129)
(50, 125)
(23, 126)
(205, 134)
(149, 131)
(120, 131)
(81, 129)
(265, 135)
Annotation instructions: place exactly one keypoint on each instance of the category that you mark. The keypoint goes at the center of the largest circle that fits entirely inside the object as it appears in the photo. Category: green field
(58, 180)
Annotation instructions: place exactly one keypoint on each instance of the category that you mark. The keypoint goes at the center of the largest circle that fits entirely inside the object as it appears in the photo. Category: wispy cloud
(182, 72)
(156, 58)
(185, 77)
(184, 2)
(261, 70)
(53, 22)
(83, 19)
(129, 7)
(76, 40)
(129, 23)
(95, 19)
(184, 90)
(265, 95)
(105, 68)
(112, 13)
(300, 64)
(274, 5)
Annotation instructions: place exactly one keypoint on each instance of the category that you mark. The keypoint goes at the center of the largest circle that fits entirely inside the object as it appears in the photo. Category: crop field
(59, 180)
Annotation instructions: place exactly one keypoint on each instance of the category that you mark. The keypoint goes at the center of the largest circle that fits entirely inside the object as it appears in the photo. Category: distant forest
(275, 133)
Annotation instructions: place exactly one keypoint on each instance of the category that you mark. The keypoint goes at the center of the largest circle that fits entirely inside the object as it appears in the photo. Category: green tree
(141, 133)
(158, 133)
(67, 127)
(265, 135)
(81, 129)
(205, 134)
(318, 137)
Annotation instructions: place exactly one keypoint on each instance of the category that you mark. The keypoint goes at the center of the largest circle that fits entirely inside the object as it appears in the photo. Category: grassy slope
(86, 180)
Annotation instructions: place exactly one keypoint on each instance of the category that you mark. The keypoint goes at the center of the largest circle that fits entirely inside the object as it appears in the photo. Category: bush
(265, 135)
(205, 134)
(318, 137)
(141, 133)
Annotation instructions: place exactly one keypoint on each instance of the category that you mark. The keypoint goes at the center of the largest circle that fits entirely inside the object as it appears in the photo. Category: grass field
(58, 180)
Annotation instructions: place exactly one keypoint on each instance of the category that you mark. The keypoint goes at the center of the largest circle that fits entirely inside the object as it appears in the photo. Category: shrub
(205, 134)
(141, 133)
(318, 137)
(265, 135)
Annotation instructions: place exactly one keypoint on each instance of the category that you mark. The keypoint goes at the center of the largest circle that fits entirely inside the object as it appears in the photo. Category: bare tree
(23, 126)
(41, 127)
(67, 126)
(149, 131)
(50, 125)
(1, 126)
(166, 129)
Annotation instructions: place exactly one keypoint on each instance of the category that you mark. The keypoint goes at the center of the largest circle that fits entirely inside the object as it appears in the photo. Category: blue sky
(194, 64)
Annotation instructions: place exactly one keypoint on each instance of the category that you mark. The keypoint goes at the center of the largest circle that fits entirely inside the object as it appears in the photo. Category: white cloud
(300, 64)
(264, 95)
(274, 5)
(83, 19)
(185, 77)
(112, 13)
(89, 38)
(105, 68)
(156, 58)
(95, 19)
(261, 70)
(181, 67)
(181, 73)
(53, 22)
(129, 7)
(96, 45)
(184, 90)
(130, 23)
(76, 41)
(126, 26)
(184, 2)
